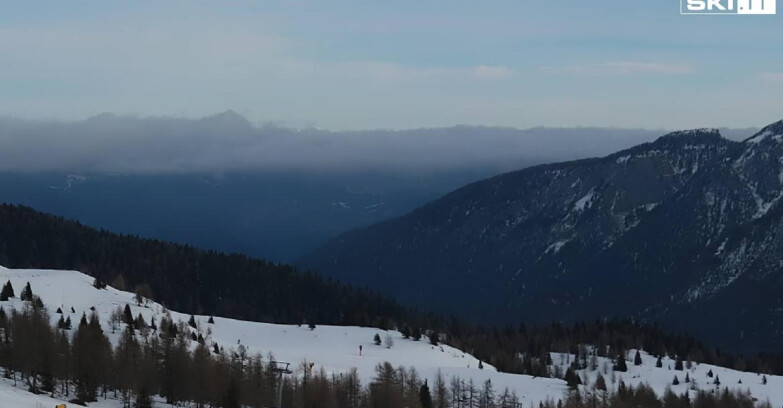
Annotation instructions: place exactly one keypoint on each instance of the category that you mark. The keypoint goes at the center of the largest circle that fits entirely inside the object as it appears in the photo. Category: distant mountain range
(288, 190)
(686, 230)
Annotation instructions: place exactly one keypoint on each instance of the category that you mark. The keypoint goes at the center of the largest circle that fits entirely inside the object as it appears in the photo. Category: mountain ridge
(634, 233)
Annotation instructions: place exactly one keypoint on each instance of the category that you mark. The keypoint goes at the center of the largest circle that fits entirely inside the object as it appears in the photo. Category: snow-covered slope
(336, 349)
(333, 348)
(662, 378)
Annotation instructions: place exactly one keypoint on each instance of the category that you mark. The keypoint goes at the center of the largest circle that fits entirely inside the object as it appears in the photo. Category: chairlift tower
(281, 368)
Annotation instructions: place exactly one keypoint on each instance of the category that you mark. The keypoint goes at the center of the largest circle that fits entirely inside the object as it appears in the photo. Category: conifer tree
(621, 365)
(377, 339)
(91, 354)
(637, 360)
(434, 338)
(676, 381)
(416, 334)
(7, 292)
(572, 378)
(659, 363)
(143, 399)
(600, 383)
(126, 358)
(98, 284)
(406, 332)
(27, 293)
(127, 316)
(678, 364)
(425, 398)
(192, 321)
(140, 323)
(709, 373)
(687, 378)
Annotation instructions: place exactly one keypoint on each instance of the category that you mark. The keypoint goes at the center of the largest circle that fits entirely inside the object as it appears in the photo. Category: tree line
(190, 279)
(178, 362)
(167, 361)
(236, 286)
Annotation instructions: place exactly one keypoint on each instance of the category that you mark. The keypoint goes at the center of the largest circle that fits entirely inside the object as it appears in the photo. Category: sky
(349, 65)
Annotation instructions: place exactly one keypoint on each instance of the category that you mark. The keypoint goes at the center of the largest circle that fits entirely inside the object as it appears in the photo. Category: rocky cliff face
(683, 230)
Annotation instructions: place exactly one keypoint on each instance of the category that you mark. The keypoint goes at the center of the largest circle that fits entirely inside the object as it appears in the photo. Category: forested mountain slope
(683, 230)
(185, 278)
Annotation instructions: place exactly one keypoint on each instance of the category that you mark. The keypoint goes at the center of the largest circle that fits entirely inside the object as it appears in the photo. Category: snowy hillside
(336, 349)
(662, 378)
(333, 348)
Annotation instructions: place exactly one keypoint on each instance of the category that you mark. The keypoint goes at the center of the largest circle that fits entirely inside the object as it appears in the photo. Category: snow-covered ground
(662, 378)
(333, 348)
(336, 348)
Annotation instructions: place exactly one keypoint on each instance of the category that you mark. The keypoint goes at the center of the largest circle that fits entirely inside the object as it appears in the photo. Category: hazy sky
(397, 64)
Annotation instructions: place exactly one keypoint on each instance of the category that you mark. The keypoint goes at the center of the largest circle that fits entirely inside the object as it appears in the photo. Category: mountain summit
(684, 230)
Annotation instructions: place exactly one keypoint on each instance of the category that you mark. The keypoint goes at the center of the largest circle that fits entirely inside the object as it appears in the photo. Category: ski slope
(333, 348)
(336, 348)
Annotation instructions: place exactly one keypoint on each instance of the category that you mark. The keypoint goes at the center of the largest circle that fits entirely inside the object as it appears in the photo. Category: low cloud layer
(227, 142)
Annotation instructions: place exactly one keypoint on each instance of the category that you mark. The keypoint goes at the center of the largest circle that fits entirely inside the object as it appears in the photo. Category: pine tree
(687, 378)
(91, 355)
(678, 364)
(127, 316)
(416, 334)
(311, 326)
(7, 292)
(140, 323)
(406, 332)
(710, 374)
(27, 293)
(231, 395)
(59, 311)
(572, 378)
(434, 338)
(68, 324)
(620, 365)
(425, 398)
(143, 399)
(764, 380)
(600, 383)
(98, 284)
(192, 321)
(211, 320)
(480, 365)
(638, 359)
(377, 339)
(659, 363)
(717, 380)
(676, 381)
